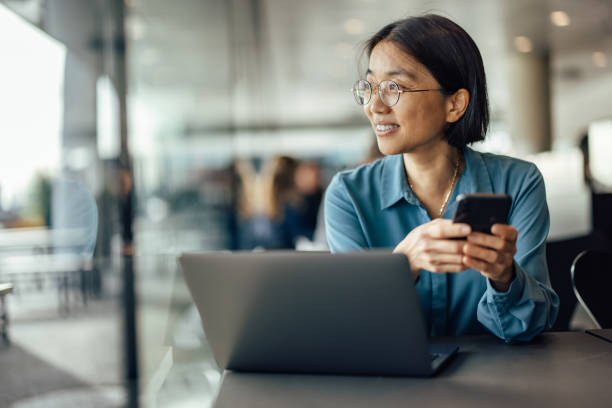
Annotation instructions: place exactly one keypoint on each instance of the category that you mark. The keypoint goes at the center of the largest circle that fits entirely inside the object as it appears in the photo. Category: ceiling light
(523, 44)
(135, 28)
(600, 60)
(560, 18)
(353, 26)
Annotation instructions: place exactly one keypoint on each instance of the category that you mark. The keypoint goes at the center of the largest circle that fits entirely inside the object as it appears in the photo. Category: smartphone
(481, 210)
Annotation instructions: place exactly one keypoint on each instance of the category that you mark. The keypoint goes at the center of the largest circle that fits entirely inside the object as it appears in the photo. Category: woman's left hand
(493, 255)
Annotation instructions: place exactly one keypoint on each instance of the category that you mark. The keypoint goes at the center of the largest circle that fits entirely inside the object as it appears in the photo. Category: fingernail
(465, 230)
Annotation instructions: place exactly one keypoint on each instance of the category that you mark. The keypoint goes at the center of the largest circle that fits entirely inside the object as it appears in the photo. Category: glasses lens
(389, 92)
(362, 91)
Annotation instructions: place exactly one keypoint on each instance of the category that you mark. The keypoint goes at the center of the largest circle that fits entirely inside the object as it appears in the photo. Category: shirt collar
(394, 185)
(475, 178)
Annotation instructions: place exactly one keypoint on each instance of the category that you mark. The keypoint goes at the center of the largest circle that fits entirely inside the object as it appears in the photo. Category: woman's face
(419, 118)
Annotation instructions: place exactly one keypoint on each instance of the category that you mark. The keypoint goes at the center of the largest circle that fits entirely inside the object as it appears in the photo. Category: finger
(474, 263)
(491, 271)
(442, 246)
(438, 259)
(447, 268)
(448, 229)
(482, 253)
(505, 231)
(487, 240)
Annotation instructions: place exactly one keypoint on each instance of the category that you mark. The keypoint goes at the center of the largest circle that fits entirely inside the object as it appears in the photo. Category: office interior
(132, 131)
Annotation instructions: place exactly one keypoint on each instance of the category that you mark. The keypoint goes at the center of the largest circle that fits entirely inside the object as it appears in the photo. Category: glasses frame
(400, 91)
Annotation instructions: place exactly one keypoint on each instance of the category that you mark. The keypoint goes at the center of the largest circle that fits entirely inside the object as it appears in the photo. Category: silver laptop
(312, 312)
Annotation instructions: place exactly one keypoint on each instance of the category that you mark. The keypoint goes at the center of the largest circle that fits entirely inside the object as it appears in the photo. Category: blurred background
(132, 131)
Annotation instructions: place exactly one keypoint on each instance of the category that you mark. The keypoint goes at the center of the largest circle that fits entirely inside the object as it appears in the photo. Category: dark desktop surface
(604, 334)
(555, 369)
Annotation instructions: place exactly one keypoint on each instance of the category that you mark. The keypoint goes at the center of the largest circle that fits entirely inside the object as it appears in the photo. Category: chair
(592, 282)
(559, 256)
(5, 289)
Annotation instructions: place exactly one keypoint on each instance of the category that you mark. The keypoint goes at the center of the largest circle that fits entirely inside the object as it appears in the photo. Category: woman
(425, 96)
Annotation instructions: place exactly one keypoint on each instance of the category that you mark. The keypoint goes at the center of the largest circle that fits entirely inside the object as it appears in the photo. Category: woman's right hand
(428, 247)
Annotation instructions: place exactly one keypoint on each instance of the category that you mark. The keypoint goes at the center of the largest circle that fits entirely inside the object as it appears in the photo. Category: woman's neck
(431, 170)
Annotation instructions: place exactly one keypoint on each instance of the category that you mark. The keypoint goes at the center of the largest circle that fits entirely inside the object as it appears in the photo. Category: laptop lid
(310, 312)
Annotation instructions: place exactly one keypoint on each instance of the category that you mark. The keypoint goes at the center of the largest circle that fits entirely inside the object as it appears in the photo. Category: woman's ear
(456, 104)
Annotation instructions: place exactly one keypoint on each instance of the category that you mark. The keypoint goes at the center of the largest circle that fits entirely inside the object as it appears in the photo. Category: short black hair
(452, 57)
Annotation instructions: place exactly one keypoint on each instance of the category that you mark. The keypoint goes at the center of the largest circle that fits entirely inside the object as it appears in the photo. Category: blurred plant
(37, 210)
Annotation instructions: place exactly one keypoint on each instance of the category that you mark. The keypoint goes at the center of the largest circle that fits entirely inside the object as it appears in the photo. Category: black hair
(452, 57)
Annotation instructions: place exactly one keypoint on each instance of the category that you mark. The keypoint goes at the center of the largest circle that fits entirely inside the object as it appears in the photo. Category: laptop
(312, 312)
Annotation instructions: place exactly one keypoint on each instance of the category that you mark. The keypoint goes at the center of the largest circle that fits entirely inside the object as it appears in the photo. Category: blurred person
(264, 201)
(302, 214)
(594, 185)
(583, 144)
(232, 219)
(426, 98)
(126, 208)
(116, 205)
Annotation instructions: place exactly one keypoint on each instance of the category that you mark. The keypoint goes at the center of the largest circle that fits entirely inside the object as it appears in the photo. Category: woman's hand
(428, 247)
(492, 255)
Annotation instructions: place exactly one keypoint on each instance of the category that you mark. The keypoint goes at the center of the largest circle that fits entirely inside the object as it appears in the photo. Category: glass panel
(215, 111)
(59, 270)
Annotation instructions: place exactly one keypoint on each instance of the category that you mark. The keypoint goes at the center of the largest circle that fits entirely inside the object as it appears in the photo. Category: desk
(36, 254)
(40, 238)
(62, 267)
(605, 334)
(557, 369)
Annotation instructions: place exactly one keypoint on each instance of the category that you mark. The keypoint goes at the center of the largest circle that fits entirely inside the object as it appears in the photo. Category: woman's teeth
(383, 128)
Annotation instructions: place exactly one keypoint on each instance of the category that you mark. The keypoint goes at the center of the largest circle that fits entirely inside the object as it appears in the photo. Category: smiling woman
(425, 95)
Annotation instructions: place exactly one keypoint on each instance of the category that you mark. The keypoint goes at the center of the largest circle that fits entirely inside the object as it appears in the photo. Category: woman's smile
(385, 128)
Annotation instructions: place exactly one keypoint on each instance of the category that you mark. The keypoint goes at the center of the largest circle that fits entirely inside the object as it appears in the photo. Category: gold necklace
(450, 188)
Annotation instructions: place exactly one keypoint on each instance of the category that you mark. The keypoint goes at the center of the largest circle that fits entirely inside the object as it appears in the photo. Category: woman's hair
(452, 57)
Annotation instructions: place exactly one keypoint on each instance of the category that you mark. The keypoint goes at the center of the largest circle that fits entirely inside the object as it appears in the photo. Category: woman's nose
(376, 104)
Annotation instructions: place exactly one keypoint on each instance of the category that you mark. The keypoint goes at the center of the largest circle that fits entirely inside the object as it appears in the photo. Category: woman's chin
(389, 149)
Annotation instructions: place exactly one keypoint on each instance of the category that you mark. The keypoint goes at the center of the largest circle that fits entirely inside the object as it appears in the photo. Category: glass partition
(61, 340)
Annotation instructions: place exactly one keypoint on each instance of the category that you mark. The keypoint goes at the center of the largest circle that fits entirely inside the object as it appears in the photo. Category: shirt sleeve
(530, 305)
(342, 224)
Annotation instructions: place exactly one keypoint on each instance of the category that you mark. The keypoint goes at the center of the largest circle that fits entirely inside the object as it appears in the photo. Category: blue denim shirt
(373, 206)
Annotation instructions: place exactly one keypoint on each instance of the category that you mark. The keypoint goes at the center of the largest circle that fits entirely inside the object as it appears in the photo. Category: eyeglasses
(388, 91)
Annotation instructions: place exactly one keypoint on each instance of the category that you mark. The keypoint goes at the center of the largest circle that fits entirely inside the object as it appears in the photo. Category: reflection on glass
(57, 216)
(600, 146)
(31, 104)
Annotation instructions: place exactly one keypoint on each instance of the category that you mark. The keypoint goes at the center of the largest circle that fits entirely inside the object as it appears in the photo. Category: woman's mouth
(385, 129)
